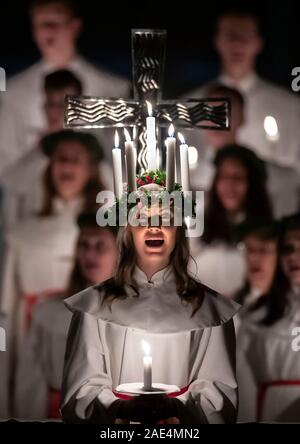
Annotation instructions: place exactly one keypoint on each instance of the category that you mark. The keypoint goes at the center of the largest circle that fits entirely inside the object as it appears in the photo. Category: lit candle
(151, 139)
(184, 164)
(117, 167)
(170, 160)
(272, 133)
(130, 155)
(147, 366)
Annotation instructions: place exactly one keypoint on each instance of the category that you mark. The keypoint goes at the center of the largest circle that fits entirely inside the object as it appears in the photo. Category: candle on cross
(130, 156)
(117, 167)
(170, 159)
(151, 139)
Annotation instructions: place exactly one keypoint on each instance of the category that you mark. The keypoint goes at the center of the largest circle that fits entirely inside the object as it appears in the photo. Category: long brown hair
(92, 188)
(188, 289)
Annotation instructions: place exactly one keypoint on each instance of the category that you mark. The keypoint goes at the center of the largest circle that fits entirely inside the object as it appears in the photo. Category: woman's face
(290, 257)
(97, 254)
(261, 259)
(232, 185)
(71, 169)
(154, 243)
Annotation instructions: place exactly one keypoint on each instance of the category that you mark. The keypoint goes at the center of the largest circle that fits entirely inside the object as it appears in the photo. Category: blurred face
(97, 254)
(55, 108)
(261, 258)
(71, 169)
(218, 139)
(232, 186)
(238, 44)
(154, 244)
(290, 257)
(55, 31)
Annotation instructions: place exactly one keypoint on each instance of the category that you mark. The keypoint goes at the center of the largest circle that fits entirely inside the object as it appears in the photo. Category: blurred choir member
(202, 174)
(238, 196)
(56, 26)
(39, 252)
(40, 370)
(239, 42)
(260, 243)
(283, 183)
(23, 188)
(268, 365)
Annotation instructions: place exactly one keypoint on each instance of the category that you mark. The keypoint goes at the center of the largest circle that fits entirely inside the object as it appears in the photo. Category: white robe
(38, 261)
(219, 266)
(42, 359)
(262, 98)
(104, 349)
(23, 187)
(22, 120)
(265, 355)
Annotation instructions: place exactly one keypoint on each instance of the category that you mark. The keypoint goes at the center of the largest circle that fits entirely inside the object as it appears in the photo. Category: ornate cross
(148, 59)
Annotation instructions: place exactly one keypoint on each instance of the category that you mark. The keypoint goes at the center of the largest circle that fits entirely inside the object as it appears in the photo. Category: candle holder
(137, 388)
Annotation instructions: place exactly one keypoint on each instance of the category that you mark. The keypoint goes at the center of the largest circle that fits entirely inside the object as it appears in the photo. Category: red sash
(32, 298)
(262, 391)
(54, 399)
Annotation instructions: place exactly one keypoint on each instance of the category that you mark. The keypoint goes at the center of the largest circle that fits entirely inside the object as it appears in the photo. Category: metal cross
(148, 60)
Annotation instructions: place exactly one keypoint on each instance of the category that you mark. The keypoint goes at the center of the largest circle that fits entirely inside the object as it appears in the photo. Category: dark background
(191, 59)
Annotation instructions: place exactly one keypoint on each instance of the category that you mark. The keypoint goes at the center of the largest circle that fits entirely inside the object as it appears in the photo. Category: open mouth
(154, 242)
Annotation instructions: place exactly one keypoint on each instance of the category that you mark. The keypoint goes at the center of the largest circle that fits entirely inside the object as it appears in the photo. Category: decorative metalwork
(148, 59)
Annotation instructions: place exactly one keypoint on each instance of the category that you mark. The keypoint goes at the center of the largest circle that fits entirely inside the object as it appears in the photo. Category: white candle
(147, 362)
(151, 139)
(117, 167)
(184, 164)
(272, 134)
(130, 153)
(170, 161)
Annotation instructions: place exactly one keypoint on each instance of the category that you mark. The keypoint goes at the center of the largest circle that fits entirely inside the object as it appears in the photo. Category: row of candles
(131, 158)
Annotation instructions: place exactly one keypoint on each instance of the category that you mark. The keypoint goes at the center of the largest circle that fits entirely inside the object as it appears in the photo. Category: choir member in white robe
(188, 327)
(39, 252)
(22, 123)
(238, 43)
(22, 185)
(260, 244)
(238, 196)
(283, 183)
(39, 375)
(269, 375)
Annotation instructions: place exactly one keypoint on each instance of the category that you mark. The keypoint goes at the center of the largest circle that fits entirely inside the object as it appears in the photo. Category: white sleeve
(87, 386)
(31, 388)
(246, 380)
(212, 396)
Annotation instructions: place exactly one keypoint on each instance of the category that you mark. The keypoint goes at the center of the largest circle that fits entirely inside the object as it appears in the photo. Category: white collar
(72, 207)
(74, 64)
(165, 275)
(252, 296)
(243, 85)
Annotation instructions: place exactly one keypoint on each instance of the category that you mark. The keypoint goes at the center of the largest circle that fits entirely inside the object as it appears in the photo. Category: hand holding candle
(117, 167)
(130, 153)
(147, 361)
(151, 139)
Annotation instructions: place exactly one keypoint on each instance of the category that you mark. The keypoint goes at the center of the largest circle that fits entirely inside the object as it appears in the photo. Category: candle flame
(149, 108)
(171, 130)
(127, 135)
(146, 347)
(181, 138)
(117, 139)
(271, 127)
